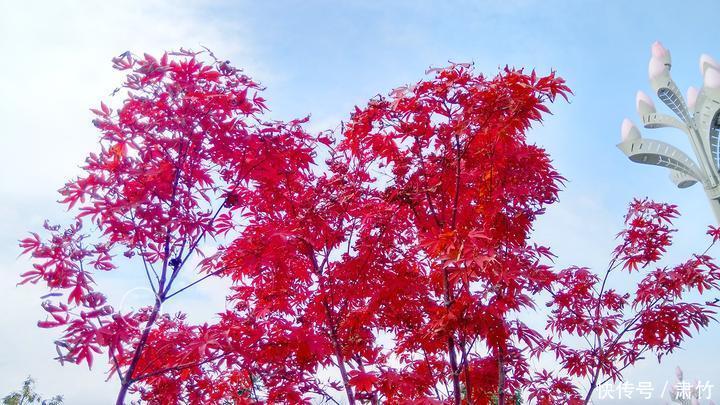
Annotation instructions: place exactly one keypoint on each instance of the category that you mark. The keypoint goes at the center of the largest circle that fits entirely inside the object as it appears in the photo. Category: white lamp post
(698, 118)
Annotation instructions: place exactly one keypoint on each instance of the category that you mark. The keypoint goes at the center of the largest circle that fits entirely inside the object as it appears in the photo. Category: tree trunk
(455, 373)
(501, 378)
(128, 380)
(457, 395)
(343, 371)
(593, 385)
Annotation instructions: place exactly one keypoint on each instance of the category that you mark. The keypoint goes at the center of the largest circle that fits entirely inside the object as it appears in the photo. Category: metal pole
(715, 205)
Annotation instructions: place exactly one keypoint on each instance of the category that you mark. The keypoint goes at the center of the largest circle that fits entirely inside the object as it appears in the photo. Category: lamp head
(660, 52)
(711, 78)
(692, 95)
(657, 68)
(629, 131)
(707, 61)
(644, 104)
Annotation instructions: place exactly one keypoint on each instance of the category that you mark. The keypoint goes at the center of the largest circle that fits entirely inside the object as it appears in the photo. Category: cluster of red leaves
(462, 184)
(175, 160)
(392, 271)
(619, 327)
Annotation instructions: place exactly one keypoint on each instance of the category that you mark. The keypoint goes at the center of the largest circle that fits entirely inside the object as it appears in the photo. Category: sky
(322, 58)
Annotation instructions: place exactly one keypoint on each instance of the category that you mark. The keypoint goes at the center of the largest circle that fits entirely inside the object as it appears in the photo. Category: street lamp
(698, 118)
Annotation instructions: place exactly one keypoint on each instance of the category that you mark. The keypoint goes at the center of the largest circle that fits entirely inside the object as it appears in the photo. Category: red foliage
(392, 271)
(620, 327)
(175, 161)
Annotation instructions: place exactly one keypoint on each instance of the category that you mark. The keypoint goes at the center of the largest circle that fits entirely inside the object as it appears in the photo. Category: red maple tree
(654, 316)
(396, 257)
(175, 162)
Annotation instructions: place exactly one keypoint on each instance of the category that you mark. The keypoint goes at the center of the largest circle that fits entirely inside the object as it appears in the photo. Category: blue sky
(322, 58)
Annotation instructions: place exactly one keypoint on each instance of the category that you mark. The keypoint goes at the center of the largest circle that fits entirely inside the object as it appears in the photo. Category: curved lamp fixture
(698, 117)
